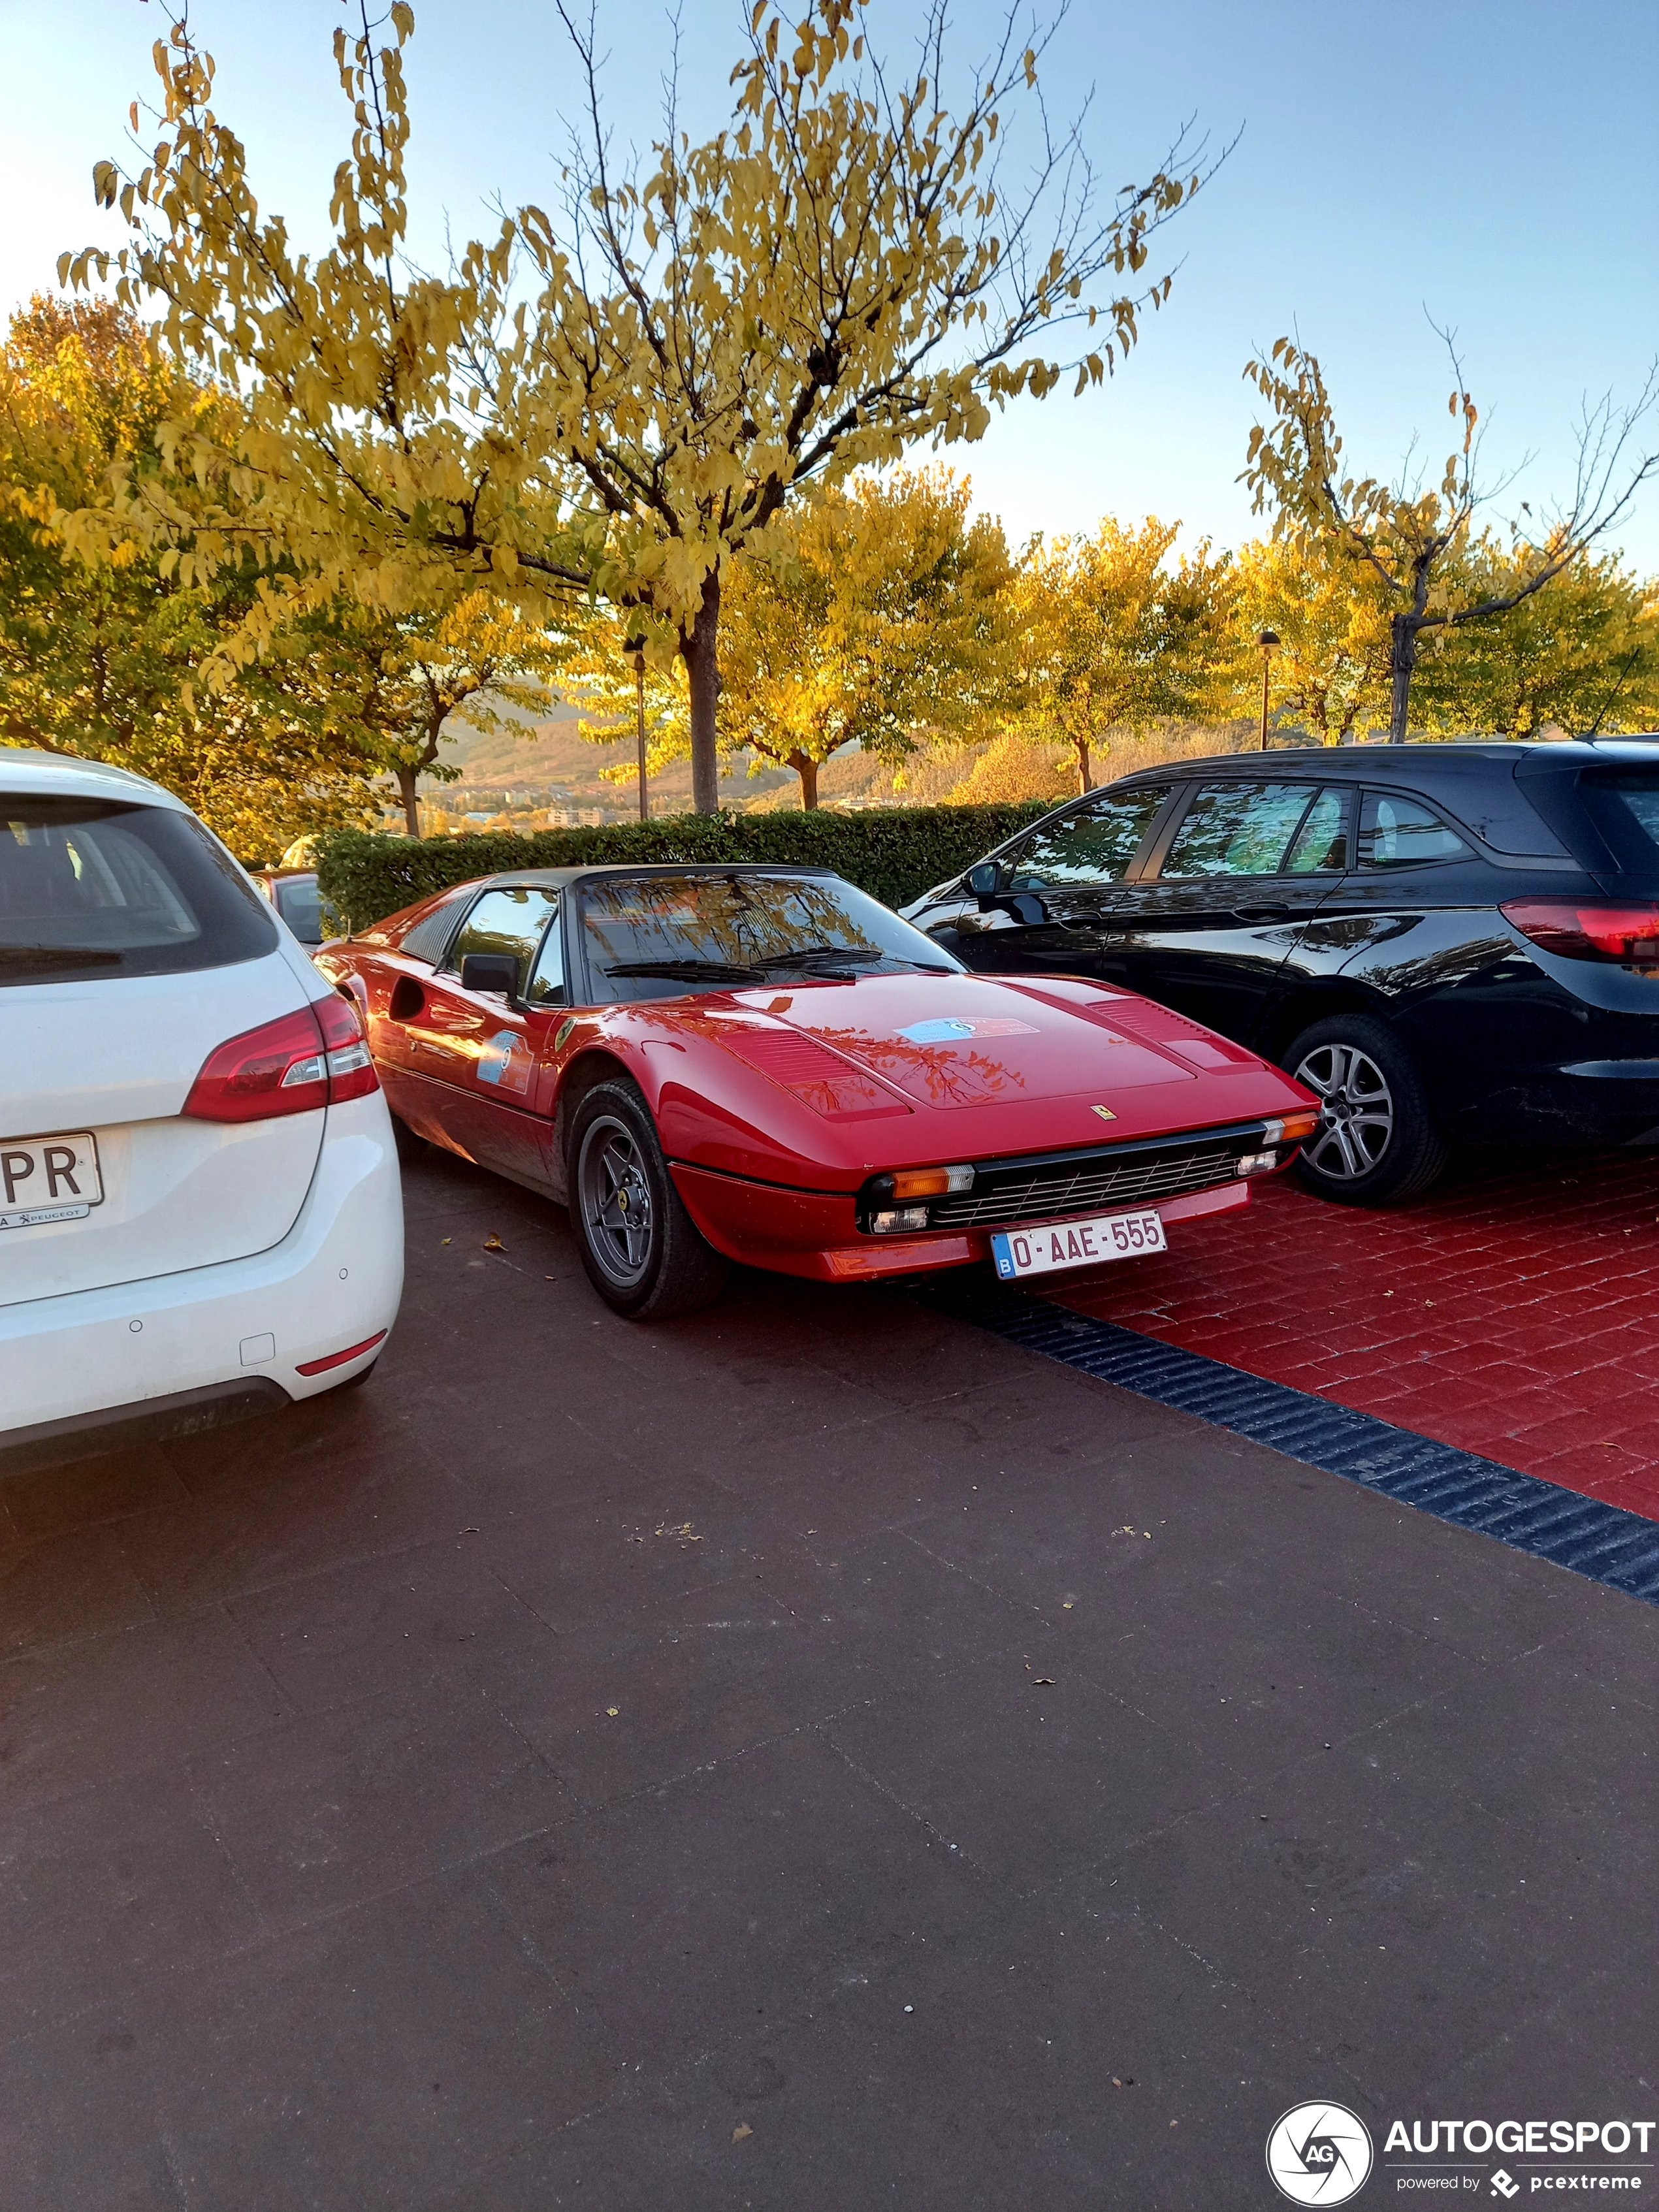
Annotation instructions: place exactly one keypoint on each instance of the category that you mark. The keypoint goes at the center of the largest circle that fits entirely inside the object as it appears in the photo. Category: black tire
(1376, 1144)
(409, 1146)
(643, 1253)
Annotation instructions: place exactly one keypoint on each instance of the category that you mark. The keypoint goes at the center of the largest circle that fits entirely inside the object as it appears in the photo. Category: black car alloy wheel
(1356, 1125)
(1377, 1142)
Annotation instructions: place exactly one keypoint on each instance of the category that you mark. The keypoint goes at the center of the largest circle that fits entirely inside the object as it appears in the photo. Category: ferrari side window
(1095, 845)
(508, 921)
(1237, 829)
(426, 938)
(547, 981)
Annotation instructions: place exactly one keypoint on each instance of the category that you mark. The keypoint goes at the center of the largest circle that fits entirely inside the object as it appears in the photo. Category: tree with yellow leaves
(881, 621)
(617, 400)
(472, 663)
(108, 660)
(1581, 654)
(876, 615)
(1114, 636)
(1330, 671)
(1415, 538)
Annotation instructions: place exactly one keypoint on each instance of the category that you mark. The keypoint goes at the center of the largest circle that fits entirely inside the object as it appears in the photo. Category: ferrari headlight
(902, 1217)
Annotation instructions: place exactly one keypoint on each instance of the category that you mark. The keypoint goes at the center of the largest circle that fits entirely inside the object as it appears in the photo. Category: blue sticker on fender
(504, 1060)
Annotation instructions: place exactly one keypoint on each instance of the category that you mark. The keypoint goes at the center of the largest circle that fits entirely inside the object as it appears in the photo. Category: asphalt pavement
(815, 1754)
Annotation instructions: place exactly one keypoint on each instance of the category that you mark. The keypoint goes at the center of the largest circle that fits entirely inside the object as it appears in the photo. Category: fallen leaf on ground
(612, 1711)
(1042, 1681)
(493, 1242)
(741, 2129)
(683, 1533)
(449, 1240)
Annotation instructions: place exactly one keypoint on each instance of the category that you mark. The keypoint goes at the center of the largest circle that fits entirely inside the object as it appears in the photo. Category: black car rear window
(1624, 807)
(96, 889)
(1399, 831)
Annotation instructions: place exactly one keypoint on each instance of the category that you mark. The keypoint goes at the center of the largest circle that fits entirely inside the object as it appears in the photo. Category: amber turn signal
(1298, 1127)
(930, 1182)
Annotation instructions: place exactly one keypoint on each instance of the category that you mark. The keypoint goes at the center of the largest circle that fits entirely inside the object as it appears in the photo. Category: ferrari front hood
(952, 1043)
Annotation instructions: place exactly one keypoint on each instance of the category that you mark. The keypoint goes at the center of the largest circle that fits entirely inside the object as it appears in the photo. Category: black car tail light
(1577, 930)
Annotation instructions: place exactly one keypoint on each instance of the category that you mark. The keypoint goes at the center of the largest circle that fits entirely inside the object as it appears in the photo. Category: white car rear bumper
(99, 1359)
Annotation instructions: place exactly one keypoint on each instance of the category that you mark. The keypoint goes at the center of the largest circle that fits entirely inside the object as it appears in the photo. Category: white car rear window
(93, 889)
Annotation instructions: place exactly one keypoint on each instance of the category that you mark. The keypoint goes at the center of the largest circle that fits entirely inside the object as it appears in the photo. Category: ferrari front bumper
(815, 1234)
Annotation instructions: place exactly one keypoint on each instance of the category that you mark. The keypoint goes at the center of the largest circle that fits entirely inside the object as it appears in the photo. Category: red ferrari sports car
(761, 1064)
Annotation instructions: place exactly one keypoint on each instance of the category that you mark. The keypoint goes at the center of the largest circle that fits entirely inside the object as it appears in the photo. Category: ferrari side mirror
(490, 971)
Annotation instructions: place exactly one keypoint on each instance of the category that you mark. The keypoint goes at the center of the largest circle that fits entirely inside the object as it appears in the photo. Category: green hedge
(894, 852)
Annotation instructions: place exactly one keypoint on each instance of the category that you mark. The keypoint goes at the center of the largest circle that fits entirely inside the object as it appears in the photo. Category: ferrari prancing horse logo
(1104, 1112)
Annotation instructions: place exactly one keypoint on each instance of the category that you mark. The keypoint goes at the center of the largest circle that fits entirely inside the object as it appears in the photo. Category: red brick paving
(1514, 1310)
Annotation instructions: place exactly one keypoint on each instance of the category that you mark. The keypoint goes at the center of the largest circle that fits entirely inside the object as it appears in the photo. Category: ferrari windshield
(656, 936)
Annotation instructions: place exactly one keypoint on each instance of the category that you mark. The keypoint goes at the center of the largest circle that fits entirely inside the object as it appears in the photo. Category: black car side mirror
(983, 879)
(490, 971)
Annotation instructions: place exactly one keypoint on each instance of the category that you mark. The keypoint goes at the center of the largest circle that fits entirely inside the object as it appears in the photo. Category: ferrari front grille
(1035, 1190)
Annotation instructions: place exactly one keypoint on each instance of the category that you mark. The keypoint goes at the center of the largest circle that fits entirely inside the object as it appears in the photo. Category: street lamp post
(1267, 640)
(635, 649)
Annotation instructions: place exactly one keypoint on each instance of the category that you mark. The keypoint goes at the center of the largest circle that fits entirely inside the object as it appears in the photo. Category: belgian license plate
(53, 1178)
(1077, 1244)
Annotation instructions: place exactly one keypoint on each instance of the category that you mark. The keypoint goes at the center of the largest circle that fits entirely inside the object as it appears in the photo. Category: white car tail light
(316, 1056)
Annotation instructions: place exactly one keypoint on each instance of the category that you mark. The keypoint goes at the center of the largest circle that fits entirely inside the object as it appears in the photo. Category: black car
(1449, 943)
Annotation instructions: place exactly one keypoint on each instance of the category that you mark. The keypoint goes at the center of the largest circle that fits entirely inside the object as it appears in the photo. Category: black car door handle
(1262, 913)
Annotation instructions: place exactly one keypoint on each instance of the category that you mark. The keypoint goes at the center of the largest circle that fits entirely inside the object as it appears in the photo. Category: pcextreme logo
(1319, 2153)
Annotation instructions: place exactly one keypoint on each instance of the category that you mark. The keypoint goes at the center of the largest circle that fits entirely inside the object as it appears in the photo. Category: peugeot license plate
(53, 1178)
(1077, 1244)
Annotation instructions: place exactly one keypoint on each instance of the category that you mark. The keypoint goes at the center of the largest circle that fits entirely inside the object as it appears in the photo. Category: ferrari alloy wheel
(1377, 1142)
(643, 1253)
(614, 1194)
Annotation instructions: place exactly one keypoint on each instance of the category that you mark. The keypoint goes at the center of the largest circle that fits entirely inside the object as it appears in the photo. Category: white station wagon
(200, 1214)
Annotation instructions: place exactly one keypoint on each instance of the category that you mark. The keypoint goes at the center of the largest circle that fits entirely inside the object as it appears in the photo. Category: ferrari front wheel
(643, 1253)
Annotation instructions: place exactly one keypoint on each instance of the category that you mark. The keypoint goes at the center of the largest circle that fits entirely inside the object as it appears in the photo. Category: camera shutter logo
(1319, 2155)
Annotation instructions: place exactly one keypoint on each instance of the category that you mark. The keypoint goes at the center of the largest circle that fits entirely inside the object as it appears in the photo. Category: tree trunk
(807, 769)
(1402, 665)
(700, 650)
(1403, 649)
(407, 777)
(1083, 781)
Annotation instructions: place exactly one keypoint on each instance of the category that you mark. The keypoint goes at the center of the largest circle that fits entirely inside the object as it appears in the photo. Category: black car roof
(1415, 758)
(1492, 805)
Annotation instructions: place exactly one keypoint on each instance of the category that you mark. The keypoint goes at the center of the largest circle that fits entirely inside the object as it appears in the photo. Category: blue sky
(1494, 160)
